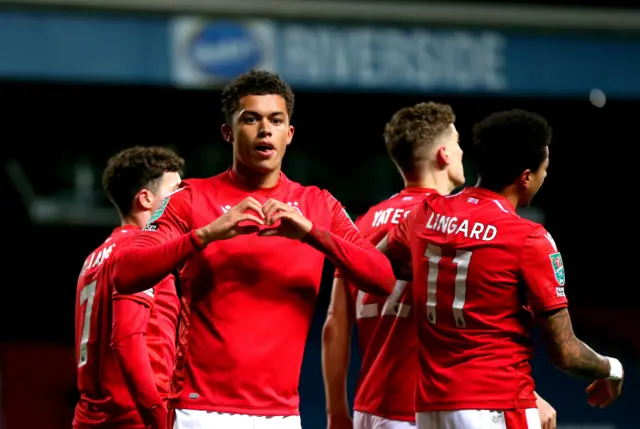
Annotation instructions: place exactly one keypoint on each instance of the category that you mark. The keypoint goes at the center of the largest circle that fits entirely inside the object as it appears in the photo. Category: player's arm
(128, 340)
(168, 240)
(544, 276)
(358, 260)
(396, 246)
(159, 248)
(336, 347)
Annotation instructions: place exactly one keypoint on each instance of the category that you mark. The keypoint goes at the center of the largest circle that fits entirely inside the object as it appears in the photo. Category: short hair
(255, 82)
(134, 169)
(412, 128)
(507, 143)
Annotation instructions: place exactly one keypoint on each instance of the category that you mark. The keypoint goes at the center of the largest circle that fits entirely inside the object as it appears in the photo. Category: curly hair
(413, 128)
(255, 82)
(507, 143)
(134, 169)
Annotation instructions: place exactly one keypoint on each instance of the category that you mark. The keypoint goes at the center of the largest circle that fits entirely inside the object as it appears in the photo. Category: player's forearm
(336, 341)
(570, 354)
(133, 357)
(367, 267)
(144, 263)
(579, 360)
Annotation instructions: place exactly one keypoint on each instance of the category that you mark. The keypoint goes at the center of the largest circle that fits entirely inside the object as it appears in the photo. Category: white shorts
(370, 421)
(479, 419)
(200, 419)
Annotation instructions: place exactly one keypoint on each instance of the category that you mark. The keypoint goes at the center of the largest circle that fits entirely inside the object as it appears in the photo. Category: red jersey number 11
(437, 262)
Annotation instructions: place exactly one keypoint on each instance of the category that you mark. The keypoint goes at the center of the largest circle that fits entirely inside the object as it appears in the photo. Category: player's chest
(208, 206)
(269, 262)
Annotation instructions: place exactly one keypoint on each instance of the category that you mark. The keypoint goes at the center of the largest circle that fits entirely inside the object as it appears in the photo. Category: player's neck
(136, 219)
(439, 182)
(256, 179)
(510, 193)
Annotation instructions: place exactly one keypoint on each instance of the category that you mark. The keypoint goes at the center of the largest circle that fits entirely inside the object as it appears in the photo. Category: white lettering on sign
(377, 57)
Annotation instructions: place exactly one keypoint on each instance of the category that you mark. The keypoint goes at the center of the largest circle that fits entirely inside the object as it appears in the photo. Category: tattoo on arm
(567, 352)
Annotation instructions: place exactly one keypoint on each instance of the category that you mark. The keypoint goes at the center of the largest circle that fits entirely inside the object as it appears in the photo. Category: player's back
(104, 398)
(386, 329)
(471, 307)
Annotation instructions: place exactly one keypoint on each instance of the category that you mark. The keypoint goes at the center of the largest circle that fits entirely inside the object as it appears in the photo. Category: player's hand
(249, 211)
(603, 392)
(339, 421)
(292, 223)
(547, 414)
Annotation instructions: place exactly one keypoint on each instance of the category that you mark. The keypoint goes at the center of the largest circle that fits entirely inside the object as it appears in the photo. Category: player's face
(169, 182)
(454, 152)
(261, 132)
(535, 180)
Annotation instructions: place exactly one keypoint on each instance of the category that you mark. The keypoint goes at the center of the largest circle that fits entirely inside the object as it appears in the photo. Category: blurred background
(82, 79)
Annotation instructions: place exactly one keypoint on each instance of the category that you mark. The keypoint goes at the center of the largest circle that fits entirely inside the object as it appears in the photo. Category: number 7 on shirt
(460, 262)
(86, 296)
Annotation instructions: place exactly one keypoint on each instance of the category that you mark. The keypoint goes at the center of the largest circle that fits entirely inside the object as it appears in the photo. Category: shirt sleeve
(129, 326)
(351, 253)
(146, 297)
(398, 246)
(543, 273)
(160, 248)
(337, 274)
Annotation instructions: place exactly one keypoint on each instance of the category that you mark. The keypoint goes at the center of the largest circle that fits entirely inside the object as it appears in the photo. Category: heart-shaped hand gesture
(251, 214)
(292, 223)
(248, 212)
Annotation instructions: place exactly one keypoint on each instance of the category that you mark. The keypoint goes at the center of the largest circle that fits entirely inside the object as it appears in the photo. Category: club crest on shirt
(558, 267)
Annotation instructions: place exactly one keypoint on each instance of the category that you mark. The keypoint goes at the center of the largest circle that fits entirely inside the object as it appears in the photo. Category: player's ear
(227, 133)
(145, 199)
(525, 178)
(442, 156)
(290, 134)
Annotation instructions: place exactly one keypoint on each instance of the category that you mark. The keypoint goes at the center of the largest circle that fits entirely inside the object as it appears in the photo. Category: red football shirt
(386, 328)
(247, 301)
(104, 397)
(479, 271)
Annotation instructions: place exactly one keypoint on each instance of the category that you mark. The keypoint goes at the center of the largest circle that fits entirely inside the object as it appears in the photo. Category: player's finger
(280, 215)
(271, 211)
(590, 388)
(248, 216)
(609, 399)
(251, 203)
(256, 207)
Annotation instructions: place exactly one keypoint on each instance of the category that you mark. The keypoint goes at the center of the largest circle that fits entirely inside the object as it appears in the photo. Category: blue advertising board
(368, 58)
(195, 52)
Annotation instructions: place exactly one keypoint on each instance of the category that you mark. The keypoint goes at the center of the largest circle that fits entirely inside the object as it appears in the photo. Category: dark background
(587, 199)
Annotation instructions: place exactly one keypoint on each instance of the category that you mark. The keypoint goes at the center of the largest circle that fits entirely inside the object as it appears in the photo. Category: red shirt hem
(235, 409)
(411, 418)
(478, 405)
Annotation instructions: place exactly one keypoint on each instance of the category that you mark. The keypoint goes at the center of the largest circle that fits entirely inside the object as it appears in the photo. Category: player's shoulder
(198, 183)
(118, 238)
(308, 192)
